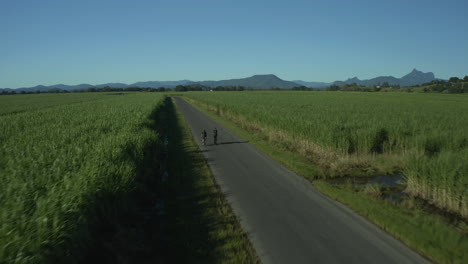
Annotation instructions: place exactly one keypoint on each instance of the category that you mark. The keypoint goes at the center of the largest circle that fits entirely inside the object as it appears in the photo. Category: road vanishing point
(287, 219)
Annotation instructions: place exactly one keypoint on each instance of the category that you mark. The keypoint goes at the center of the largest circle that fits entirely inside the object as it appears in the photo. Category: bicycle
(203, 137)
(215, 136)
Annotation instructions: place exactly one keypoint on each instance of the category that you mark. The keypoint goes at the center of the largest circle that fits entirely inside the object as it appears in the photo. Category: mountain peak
(415, 72)
(259, 81)
(416, 77)
(410, 79)
(265, 76)
(354, 79)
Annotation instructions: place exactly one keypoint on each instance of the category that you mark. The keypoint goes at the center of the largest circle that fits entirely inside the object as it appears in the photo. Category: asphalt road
(288, 221)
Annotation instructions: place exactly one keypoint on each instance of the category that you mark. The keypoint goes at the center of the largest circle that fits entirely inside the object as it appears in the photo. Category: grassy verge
(201, 225)
(430, 235)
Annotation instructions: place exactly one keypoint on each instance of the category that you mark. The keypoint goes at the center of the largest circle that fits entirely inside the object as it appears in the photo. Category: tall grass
(63, 165)
(365, 133)
(443, 179)
(29, 102)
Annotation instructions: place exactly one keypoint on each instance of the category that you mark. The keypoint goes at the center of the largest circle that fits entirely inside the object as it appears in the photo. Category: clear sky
(72, 42)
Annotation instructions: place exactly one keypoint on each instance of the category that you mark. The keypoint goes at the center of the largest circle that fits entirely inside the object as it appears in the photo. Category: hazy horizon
(129, 83)
(60, 42)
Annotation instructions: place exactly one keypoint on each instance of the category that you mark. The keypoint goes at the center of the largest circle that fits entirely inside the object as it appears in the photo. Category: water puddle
(387, 181)
(387, 187)
(392, 188)
(379, 180)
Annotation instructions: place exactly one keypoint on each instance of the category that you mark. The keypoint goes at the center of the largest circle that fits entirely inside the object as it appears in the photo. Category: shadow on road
(175, 214)
(197, 213)
(199, 151)
(233, 142)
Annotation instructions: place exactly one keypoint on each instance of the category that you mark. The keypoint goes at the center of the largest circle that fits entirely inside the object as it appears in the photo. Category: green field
(422, 136)
(80, 175)
(69, 161)
(31, 102)
(64, 161)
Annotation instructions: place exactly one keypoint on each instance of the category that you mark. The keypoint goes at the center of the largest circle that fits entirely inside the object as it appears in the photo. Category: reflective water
(380, 180)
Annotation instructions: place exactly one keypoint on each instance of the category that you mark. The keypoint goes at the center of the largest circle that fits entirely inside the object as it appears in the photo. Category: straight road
(288, 221)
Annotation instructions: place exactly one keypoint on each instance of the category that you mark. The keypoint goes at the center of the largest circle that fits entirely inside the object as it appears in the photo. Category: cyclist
(215, 136)
(203, 137)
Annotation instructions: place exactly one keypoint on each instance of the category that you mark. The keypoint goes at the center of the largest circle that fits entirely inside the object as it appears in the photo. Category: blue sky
(71, 42)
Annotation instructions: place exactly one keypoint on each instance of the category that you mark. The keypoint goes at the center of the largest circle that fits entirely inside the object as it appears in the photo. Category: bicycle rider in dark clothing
(203, 136)
(215, 136)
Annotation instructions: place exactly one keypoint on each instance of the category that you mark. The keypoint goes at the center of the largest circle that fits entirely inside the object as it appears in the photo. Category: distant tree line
(303, 88)
(191, 87)
(127, 89)
(353, 87)
(89, 90)
(179, 88)
(199, 87)
(453, 85)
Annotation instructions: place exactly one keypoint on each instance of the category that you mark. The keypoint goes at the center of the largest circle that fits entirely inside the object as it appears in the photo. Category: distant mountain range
(266, 81)
(150, 84)
(413, 78)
